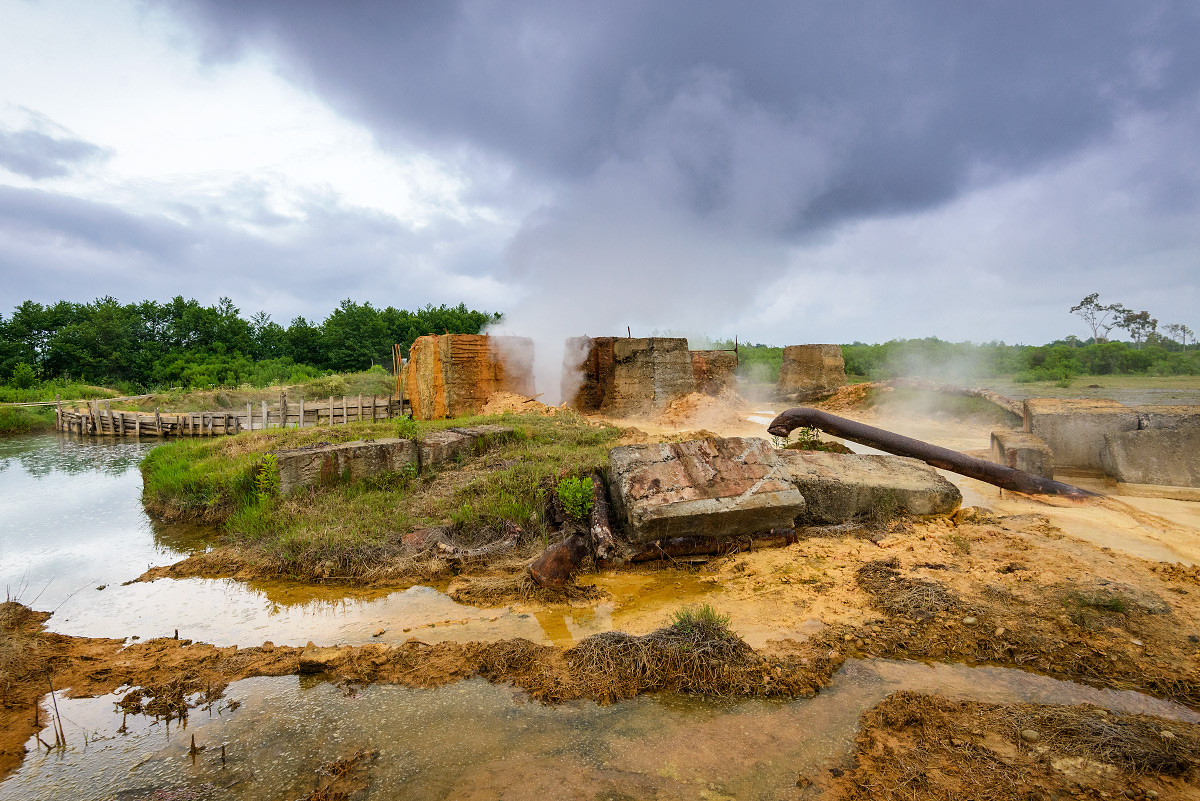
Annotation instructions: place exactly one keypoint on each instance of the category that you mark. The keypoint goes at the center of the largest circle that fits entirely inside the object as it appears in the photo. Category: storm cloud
(783, 171)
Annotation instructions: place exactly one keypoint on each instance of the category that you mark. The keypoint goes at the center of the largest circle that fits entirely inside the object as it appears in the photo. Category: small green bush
(575, 495)
(23, 376)
(701, 619)
(266, 480)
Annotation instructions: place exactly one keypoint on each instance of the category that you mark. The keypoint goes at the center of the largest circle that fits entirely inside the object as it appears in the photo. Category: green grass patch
(16, 420)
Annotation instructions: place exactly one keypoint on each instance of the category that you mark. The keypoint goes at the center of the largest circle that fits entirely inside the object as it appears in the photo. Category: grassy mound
(381, 529)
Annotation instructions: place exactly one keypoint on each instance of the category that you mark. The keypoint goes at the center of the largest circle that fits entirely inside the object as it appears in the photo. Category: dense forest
(184, 344)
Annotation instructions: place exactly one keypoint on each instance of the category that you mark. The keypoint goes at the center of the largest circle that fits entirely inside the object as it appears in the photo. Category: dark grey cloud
(903, 101)
(37, 154)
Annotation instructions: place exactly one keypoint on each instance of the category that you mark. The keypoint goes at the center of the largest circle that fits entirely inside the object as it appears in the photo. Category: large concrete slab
(328, 464)
(709, 487)
(809, 371)
(1166, 457)
(839, 487)
(1023, 451)
(1075, 428)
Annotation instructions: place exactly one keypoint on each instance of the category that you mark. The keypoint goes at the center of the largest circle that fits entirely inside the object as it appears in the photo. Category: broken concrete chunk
(711, 487)
(1023, 451)
(809, 371)
(328, 464)
(1162, 457)
(838, 487)
(1075, 428)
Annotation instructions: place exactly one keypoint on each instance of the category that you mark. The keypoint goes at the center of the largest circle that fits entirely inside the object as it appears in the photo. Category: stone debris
(314, 659)
(839, 487)
(810, 371)
(1023, 451)
(710, 488)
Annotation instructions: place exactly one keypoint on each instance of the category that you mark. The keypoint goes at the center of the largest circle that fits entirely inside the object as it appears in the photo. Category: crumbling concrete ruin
(714, 371)
(810, 371)
(1139, 447)
(625, 377)
(454, 374)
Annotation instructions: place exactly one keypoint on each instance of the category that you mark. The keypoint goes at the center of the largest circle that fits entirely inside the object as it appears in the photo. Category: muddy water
(74, 532)
(476, 740)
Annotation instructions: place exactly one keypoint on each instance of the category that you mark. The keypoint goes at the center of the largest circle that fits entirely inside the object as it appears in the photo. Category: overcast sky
(786, 172)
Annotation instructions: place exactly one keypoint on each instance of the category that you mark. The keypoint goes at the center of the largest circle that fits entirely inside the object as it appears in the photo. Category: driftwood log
(603, 542)
(674, 547)
(1000, 475)
(560, 561)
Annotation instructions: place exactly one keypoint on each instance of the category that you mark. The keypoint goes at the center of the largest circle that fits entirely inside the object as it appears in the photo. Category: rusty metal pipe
(990, 472)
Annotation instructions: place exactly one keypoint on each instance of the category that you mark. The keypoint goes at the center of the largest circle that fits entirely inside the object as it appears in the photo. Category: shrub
(23, 376)
(575, 495)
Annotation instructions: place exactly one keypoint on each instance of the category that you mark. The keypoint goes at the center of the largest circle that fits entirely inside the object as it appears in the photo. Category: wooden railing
(98, 418)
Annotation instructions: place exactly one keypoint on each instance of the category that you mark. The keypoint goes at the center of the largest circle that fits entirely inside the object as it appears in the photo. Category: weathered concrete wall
(329, 464)
(587, 372)
(1023, 451)
(714, 371)
(710, 487)
(453, 375)
(809, 371)
(1166, 457)
(322, 465)
(647, 373)
(1075, 428)
(839, 487)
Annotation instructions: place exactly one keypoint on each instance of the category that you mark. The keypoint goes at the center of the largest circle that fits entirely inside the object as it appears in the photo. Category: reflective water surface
(480, 741)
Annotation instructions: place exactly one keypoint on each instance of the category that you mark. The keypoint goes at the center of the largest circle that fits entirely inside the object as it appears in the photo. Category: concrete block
(441, 448)
(838, 487)
(453, 375)
(647, 374)
(1168, 418)
(328, 464)
(810, 371)
(1162, 457)
(709, 487)
(1023, 451)
(1075, 429)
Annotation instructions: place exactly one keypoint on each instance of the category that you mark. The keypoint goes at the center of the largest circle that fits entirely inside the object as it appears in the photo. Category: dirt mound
(850, 397)
(697, 410)
(510, 402)
(917, 746)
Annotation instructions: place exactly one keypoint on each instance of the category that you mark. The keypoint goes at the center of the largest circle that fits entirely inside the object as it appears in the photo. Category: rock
(379, 632)
(1000, 632)
(711, 487)
(1075, 428)
(1151, 794)
(803, 781)
(1163, 457)
(969, 621)
(559, 562)
(329, 464)
(838, 487)
(318, 660)
(1023, 451)
(1030, 736)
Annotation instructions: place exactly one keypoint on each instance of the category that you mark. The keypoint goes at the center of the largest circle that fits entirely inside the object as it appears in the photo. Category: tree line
(183, 343)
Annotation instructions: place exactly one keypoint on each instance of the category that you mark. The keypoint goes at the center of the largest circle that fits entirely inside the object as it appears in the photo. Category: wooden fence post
(283, 409)
(264, 415)
(300, 422)
(57, 412)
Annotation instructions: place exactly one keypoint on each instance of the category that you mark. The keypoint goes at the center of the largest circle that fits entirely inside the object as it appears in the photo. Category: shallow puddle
(480, 741)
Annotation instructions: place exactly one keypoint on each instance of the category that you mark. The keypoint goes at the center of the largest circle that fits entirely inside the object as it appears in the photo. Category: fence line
(102, 420)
